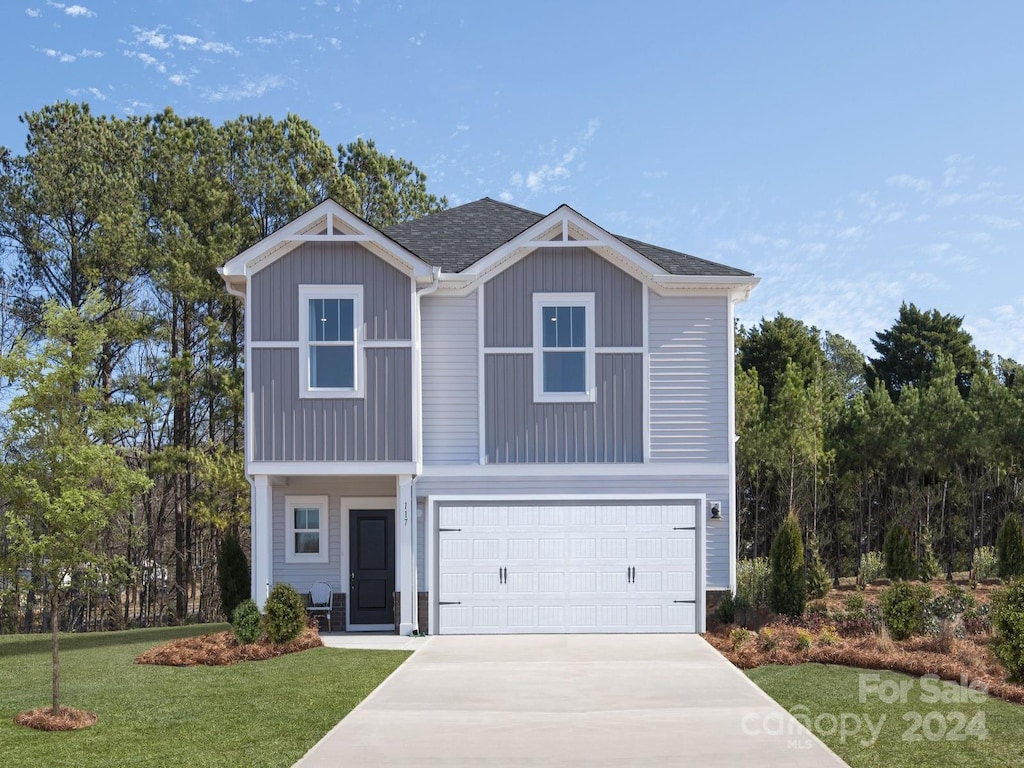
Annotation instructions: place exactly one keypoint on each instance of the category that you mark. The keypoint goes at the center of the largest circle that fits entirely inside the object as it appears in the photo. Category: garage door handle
(452, 602)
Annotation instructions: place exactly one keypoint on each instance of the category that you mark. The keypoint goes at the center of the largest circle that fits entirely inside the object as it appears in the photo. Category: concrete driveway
(568, 700)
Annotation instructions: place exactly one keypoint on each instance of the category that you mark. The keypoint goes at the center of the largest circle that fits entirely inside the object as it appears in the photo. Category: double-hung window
(330, 319)
(563, 347)
(306, 529)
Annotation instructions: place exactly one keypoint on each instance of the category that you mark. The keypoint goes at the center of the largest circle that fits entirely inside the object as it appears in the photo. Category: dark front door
(372, 558)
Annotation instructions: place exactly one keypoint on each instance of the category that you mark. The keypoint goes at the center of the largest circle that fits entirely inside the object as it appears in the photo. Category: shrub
(903, 608)
(767, 639)
(285, 614)
(803, 640)
(818, 582)
(245, 622)
(1010, 548)
(828, 635)
(726, 611)
(855, 603)
(817, 608)
(232, 575)
(898, 554)
(985, 565)
(952, 605)
(871, 567)
(752, 578)
(1008, 623)
(739, 637)
(788, 590)
(929, 567)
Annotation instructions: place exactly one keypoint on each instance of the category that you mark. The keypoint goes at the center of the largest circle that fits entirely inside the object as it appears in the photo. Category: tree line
(927, 434)
(117, 335)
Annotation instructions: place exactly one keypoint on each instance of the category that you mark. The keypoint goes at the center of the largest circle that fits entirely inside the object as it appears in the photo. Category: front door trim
(348, 505)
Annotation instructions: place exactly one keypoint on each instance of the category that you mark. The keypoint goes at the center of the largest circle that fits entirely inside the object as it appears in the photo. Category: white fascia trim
(293, 234)
(738, 288)
(349, 292)
(651, 469)
(669, 496)
(330, 468)
(563, 216)
(321, 504)
(587, 301)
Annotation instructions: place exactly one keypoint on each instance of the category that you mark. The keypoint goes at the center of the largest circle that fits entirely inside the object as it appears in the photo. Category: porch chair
(321, 600)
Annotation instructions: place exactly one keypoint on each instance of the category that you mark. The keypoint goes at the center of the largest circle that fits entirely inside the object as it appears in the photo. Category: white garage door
(531, 567)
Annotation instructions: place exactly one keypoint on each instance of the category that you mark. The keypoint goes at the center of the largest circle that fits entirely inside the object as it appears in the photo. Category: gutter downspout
(418, 410)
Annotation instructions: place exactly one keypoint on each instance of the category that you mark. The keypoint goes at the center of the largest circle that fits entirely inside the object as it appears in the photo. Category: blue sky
(852, 155)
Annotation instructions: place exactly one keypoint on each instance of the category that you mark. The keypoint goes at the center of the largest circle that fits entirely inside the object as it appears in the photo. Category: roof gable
(326, 222)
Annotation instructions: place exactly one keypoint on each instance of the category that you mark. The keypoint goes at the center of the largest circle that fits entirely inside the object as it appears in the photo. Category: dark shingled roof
(459, 237)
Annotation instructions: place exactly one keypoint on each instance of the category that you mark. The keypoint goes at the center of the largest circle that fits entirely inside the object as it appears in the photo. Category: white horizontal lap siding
(688, 340)
(450, 371)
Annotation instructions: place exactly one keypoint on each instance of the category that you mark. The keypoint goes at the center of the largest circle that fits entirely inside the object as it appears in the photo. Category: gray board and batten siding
(518, 430)
(521, 431)
(508, 297)
(387, 302)
(375, 427)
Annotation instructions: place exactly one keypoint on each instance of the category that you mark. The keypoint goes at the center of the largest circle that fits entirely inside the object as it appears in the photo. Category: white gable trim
(554, 231)
(337, 225)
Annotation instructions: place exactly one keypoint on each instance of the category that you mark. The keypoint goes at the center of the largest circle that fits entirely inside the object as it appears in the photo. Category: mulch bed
(221, 648)
(66, 719)
(969, 659)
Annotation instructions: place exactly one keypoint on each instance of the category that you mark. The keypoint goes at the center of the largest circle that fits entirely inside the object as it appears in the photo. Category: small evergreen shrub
(828, 635)
(284, 614)
(1010, 548)
(788, 589)
(739, 637)
(898, 554)
(232, 574)
(803, 640)
(726, 611)
(752, 579)
(903, 609)
(767, 639)
(246, 622)
(929, 566)
(855, 603)
(871, 567)
(818, 608)
(1008, 624)
(818, 582)
(985, 565)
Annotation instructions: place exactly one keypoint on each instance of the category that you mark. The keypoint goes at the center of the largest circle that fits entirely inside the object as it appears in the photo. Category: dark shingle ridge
(458, 237)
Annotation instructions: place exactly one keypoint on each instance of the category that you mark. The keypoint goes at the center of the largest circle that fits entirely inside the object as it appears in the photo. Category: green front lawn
(266, 713)
(919, 722)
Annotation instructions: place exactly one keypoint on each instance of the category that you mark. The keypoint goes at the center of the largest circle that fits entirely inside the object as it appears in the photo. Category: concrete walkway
(568, 700)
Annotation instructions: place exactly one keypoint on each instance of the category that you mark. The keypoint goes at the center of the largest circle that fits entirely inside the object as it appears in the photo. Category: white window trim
(355, 293)
(586, 300)
(291, 503)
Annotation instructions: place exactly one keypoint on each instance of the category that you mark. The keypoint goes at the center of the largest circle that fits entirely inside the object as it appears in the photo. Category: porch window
(330, 319)
(306, 529)
(563, 347)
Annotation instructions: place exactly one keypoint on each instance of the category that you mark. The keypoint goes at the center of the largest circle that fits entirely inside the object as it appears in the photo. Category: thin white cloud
(178, 79)
(147, 60)
(999, 222)
(550, 176)
(505, 196)
(33, 12)
(190, 41)
(418, 39)
(61, 56)
(906, 181)
(247, 89)
(96, 93)
(154, 38)
(77, 11)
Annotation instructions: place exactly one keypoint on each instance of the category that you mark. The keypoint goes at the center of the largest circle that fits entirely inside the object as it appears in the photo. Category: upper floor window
(330, 322)
(306, 529)
(563, 347)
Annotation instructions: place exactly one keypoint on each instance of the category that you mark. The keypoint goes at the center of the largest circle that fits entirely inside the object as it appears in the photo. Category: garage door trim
(430, 529)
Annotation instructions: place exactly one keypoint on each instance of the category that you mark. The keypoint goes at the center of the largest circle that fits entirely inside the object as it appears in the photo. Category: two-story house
(489, 420)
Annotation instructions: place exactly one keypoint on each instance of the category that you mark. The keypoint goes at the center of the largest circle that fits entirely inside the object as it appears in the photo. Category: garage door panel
(615, 567)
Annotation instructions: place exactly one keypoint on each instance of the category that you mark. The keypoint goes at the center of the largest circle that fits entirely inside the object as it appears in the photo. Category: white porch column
(405, 525)
(262, 562)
